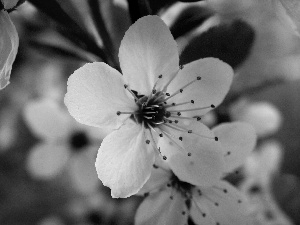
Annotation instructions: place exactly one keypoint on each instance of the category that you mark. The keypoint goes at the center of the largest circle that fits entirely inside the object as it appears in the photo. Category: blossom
(172, 201)
(260, 169)
(263, 116)
(65, 144)
(9, 43)
(154, 99)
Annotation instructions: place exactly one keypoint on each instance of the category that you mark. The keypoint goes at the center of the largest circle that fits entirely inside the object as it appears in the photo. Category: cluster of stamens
(156, 114)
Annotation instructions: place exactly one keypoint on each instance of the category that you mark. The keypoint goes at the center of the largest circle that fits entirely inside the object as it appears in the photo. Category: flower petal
(82, 170)
(95, 93)
(215, 80)
(238, 140)
(9, 4)
(158, 179)
(47, 120)
(9, 43)
(206, 163)
(159, 208)
(225, 204)
(124, 160)
(46, 160)
(147, 50)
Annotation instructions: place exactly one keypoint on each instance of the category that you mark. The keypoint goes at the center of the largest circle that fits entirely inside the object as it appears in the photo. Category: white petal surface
(47, 120)
(47, 160)
(237, 140)
(160, 209)
(158, 180)
(95, 93)
(216, 77)
(9, 43)
(9, 4)
(124, 160)
(82, 170)
(225, 204)
(147, 50)
(206, 163)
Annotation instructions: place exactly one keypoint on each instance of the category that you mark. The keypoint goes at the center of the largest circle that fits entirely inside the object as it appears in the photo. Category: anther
(179, 114)
(212, 106)
(125, 86)
(167, 94)
(198, 118)
(153, 91)
(173, 104)
(216, 138)
(146, 194)
(190, 131)
(118, 113)
(189, 154)
(192, 101)
(164, 157)
(167, 114)
(155, 166)
(160, 76)
(180, 138)
(161, 135)
(198, 78)
(181, 67)
(147, 141)
(181, 90)
(176, 121)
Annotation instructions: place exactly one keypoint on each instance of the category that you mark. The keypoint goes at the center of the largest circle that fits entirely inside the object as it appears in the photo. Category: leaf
(229, 42)
(190, 18)
(57, 51)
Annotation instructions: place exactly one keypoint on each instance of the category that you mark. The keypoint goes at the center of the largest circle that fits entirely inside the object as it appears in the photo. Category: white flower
(9, 43)
(263, 116)
(154, 99)
(65, 144)
(173, 201)
(260, 168)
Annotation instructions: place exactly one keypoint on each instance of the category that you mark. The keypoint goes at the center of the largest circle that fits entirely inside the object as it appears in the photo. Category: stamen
(188, 153)
(198, 207)
(153, 141)
(154, 91)
(131, 92)
(180, 90)
(171, 79)
(119, 113)
(174, 104)
(188, 118)
(178, 128)
(194, 109)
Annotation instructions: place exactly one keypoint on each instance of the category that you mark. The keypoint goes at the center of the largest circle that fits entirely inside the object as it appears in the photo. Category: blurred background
(52, 180)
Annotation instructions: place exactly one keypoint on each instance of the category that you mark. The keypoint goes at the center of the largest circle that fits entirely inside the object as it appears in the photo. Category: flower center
(151, 111)
(78, 140)
(183, 187)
